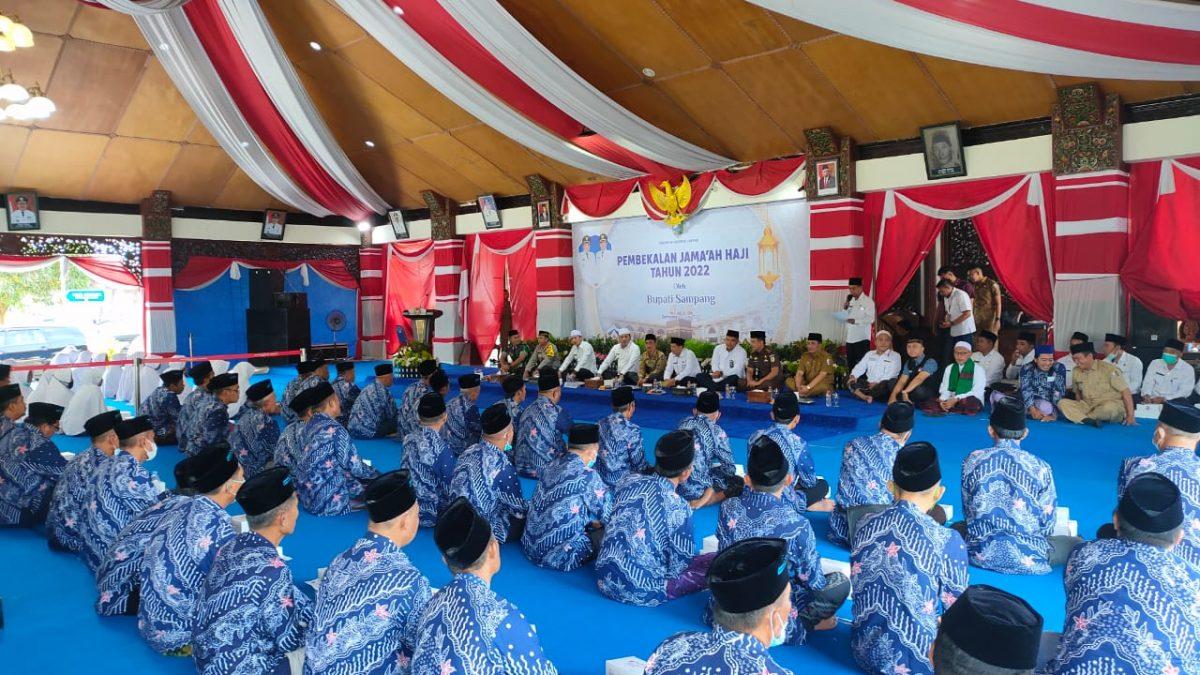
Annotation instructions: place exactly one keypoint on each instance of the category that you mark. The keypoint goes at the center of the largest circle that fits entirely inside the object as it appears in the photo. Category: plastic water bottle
(836, 403)
(829, 399)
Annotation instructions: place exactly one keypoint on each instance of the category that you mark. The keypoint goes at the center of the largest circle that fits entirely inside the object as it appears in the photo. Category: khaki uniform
(1098, 394)
(808, 368)
(544, 356)
(759, 364)
(652, 366)
(983, 305)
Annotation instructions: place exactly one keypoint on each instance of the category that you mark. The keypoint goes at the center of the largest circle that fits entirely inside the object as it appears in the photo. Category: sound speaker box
(264, 284)
(1148, 331)
(274, 329)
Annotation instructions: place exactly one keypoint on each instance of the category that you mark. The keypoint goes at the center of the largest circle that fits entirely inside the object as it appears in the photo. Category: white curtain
(378, 20)
(507, 40)
(1090, 303)
(279, 79)
(179, 50)
(142, 7)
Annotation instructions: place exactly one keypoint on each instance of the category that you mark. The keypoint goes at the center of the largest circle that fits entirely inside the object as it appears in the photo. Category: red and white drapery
(372, 332)
(1164, 208)
(1011, 214)
(201, 271)
(409, 283)
(497, 261)
(1124, 39)
(225, 60)
(599, 200)
(158, 297)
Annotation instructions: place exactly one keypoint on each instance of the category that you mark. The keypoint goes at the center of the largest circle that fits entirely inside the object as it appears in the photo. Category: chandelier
(23, 104)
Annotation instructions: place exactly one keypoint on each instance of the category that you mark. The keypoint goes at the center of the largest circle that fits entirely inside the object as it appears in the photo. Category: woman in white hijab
(87, 402)
(125, 391)
(51, 389)
(112, 376)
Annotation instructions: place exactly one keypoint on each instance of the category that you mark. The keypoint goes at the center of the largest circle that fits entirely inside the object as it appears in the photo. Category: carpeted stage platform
(50, 625)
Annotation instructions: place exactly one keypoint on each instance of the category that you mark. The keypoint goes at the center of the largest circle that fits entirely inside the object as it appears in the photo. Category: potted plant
(408, 357)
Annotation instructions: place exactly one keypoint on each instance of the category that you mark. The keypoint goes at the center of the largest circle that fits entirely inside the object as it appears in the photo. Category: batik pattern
(209, 423)
(289, 445)
(374, 413)
(122, 489)
(162, 407)
(67, 504)
(866, 469)
(1037, 384)
(720, 651)
(295, 386)
(649, 539)
(714, 458)
(347, 393)
(486, 478)
(329, 473)
(1182, 467)
(462, 428)
(1009, 503)
(119, 573)
(539, 437)
(804, 472)
(408, 420)
(430, 465)
(253, 440)
(29, 470)
(569, 496)
(622, 450)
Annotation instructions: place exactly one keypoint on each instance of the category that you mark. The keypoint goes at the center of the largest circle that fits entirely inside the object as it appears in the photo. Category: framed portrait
(827, 177)
(274, 223)
(491, 214)
(943, 151)
(22, 210)
(399, 227)
(543, 215)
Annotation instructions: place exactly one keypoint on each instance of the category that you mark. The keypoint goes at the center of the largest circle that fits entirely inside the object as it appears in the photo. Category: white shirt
(729, 361)
(684, 365)
(1014, 372)
(1167, 382)
(582, 355)
(956, 305)
(1069, 364)
(993, 366)
(1131, 367)
(878, 367)
(862, 310)
(626, 357)
(977, 385)
(22, 217)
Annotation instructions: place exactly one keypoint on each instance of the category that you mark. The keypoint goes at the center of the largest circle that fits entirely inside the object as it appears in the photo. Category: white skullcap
(883, 332)
(624, 331)
(963, 344)
(576, 333)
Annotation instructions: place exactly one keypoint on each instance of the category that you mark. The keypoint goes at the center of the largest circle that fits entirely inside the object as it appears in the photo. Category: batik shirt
(1038, 384)
(469, 630)
(122, 488)
(1182, 467)
(374, 413)
(490, 483)
(539, 436)
(176, 559)
(65, 519)
(758, 514)
(119, 574)
(905, 571)
(430, 465)
(162, 407)
(368, 606)
(253, 440)
(347, 393)
(514, 411)
(720, 651)
(249, 613)
(804, 472)
(714, 458)
(622, 450)
(1009, 504)
(1131, 608)
(462, 428)
(187, 412)
(209, 422)
(329, 473)
(297, 385)
(288, 447)
(568, 497)
(29, 469)
(648, 540)
(408, 420)
(866, 469)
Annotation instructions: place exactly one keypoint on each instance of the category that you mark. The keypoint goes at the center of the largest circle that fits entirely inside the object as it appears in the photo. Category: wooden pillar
(837, 227)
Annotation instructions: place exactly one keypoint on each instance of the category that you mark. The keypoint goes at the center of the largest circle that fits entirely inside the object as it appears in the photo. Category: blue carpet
(51, 627)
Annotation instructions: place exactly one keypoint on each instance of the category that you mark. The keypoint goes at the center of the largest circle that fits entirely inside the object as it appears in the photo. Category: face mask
(507, 448)
(1111, 358)
(591, 462)
(152, 452)
(778, 638)
(1170, 359)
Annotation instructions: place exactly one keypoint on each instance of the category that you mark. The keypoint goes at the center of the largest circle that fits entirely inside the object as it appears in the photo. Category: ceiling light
(7, 44)
(18, 111)
(398, 10)
(370, 144)
(3, 115)
(648, 72)
(245, 144)
(6, 24)
(363, 226)
(165, 47)
(39, 106)
(10, 90)
(20, 34)
(316, 46)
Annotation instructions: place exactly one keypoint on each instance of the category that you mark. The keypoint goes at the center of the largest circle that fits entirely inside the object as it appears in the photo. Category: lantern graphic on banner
(768, 258)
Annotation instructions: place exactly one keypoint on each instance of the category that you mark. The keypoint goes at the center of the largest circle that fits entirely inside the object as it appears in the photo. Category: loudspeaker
(291, 300)
(1148, 331)
(264, 284)
(270, 330)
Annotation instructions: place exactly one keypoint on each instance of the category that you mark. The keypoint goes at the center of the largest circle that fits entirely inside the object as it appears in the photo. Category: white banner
(743, 267)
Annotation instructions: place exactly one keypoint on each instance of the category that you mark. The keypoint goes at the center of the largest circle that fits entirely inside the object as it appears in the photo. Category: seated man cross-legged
(962, 389)
(875, 375)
